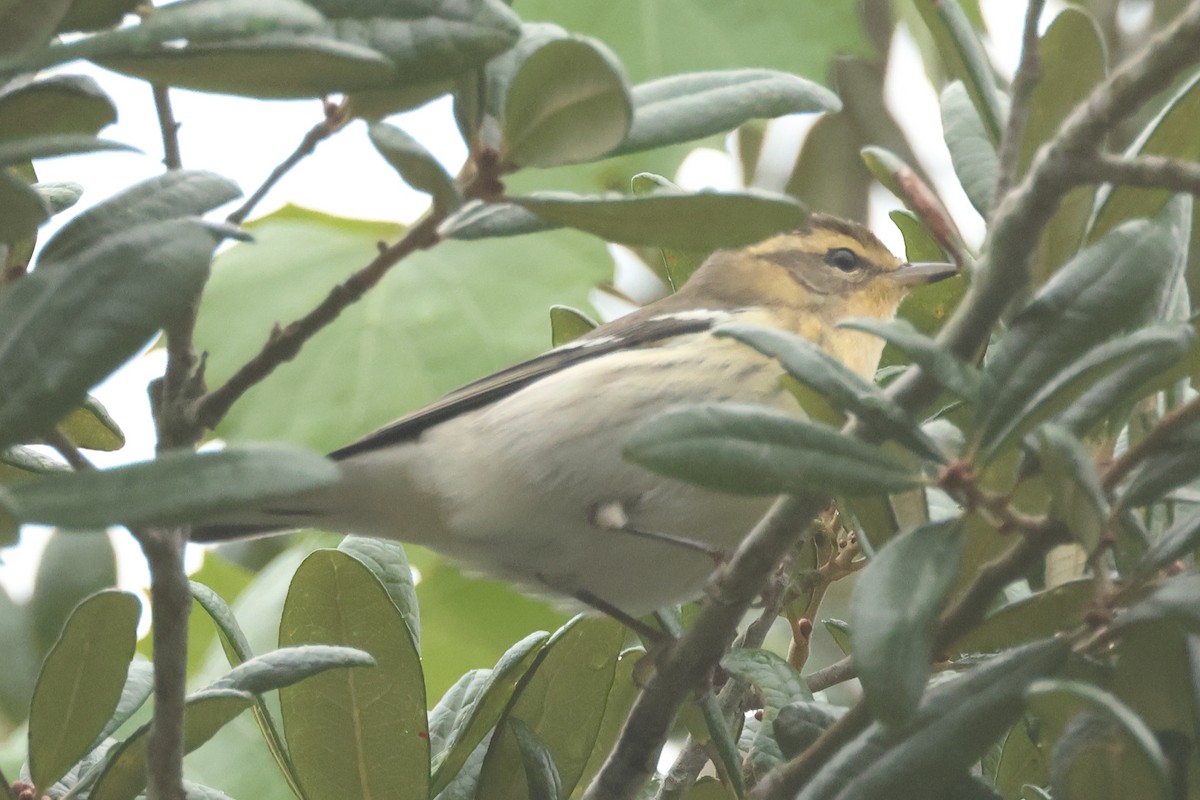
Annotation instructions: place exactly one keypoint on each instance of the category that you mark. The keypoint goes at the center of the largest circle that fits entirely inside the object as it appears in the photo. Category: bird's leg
(649, 634)
(611, 516)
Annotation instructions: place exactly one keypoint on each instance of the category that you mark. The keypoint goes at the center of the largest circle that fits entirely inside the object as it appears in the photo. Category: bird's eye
(842, 258)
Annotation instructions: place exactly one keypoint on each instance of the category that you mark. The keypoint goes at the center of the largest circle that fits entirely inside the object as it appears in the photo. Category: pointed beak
(920, 274)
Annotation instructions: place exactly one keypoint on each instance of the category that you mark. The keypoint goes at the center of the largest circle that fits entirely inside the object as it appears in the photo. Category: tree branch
(1149, 172)
(169, 128)
(1029, 72)
(284, 343)
(1165, 432)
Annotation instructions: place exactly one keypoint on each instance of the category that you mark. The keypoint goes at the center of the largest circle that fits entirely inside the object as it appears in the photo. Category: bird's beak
(920, 274)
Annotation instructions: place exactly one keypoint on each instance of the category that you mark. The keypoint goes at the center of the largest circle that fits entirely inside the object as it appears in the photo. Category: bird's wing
(635, 330)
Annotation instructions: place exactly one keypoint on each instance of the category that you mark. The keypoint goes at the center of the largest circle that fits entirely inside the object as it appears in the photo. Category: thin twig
(837, 672)
(1152, 172)
(335, 119)
(284, 343)
(1165, 432)
(1029, 72)
(172, 158)
(67, 449)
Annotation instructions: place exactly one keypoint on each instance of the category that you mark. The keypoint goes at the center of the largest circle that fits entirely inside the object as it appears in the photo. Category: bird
(520, 475)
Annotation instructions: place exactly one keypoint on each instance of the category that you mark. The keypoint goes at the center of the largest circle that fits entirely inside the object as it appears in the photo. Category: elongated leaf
(289, 665)
(204, 714)
(416, 165)
(91, 427)
(956, 723)
(972, 152)
(25, 24)
(81, 683)
(1178, 600)
(567, 103)
(562, 701)
(1112, 286)
(894, 614)
(173, 195)
(1034, 617)
(139, 685)
(22, 209)
(480, 220)
(965, 58)
(353, 732)
(703, 220)
(758, 451)
(1174, 464)
(919, 244)
(64, 329)
(849, 392)
(799, 724)
(776, 679)
(1076, 497)
(176, 488)
(682, 108)
(53, 105)
(948, 369)
(568, 324)
(18, 151)
(387, 561)
(541, 776)
(1174, 543)
(74, 566)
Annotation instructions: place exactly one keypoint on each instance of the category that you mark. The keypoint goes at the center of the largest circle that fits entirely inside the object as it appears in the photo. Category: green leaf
(965, 58)
(754, 450)
(562, 700)
(956, 724)
(776, 679)
(1129, 766)
(541, 776)
(1174, 543)
(139, 685)
(81, 683)
(353, 732)
(567, 103)
(1076, 496)
(948, 369)
(625, 688)
(289, 665)
(1112, 286)
(839, 631)
(919, 244)
(74, 566)
(91, 427)
(93, 15)
(387, 561)
(175, 488)
(473, 706)
(56, 104)
(1177, 600)
(480, 220)
(798, 725)
(703, 220)
(971, 151)
(173, 195)
(1039, 615)
(22, 209)
(849, 392)
(1174, 464)
(677, 264)
(204, 713)
(25, 24)
(17, 151)
(62, 330)
(683, 108)
(416, 165)
(894, 614)
(568, 324)
(1072, 63)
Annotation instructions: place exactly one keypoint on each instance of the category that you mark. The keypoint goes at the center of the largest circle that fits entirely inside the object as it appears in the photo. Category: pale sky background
(244, 140)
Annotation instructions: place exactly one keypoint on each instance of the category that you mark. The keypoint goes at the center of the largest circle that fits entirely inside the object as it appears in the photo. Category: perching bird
(520, 474)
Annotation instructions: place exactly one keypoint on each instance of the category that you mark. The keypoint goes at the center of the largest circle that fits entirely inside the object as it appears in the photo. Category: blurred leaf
(204, 713)
(798, 725)
(91, 427)
(1072, 63)
(1176, 542)
(139, 685)
(473, 706)
(839, 631)
(1168, 135)
(776, 679)
(1021, 761)
(562, 700)
(893, 618)
(178, 487)
(289, 665)
(74, 565)
(353, 732)
(956, 723)
(677, 264)
(1177, 600)
(827, 173)
(455, 309)
(541, 776)
(1040, 615)
(846, 390)
(754, 450)
(971, 151)
(22, 209)
(568, 102)
(1088, 301)
(948, 369)
(704, 220)
(483, 220)
(52, 105)
(91, 15)
(624, 690)
(682, 108)
(26, 24)
(416, 165)
(1077, 498)
(114, 295)
(173, 195)
(919, 244)
(16, 151)
(1175, 463)
(568, 324)
(21, 662)
(387, 561)
(81, 683)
